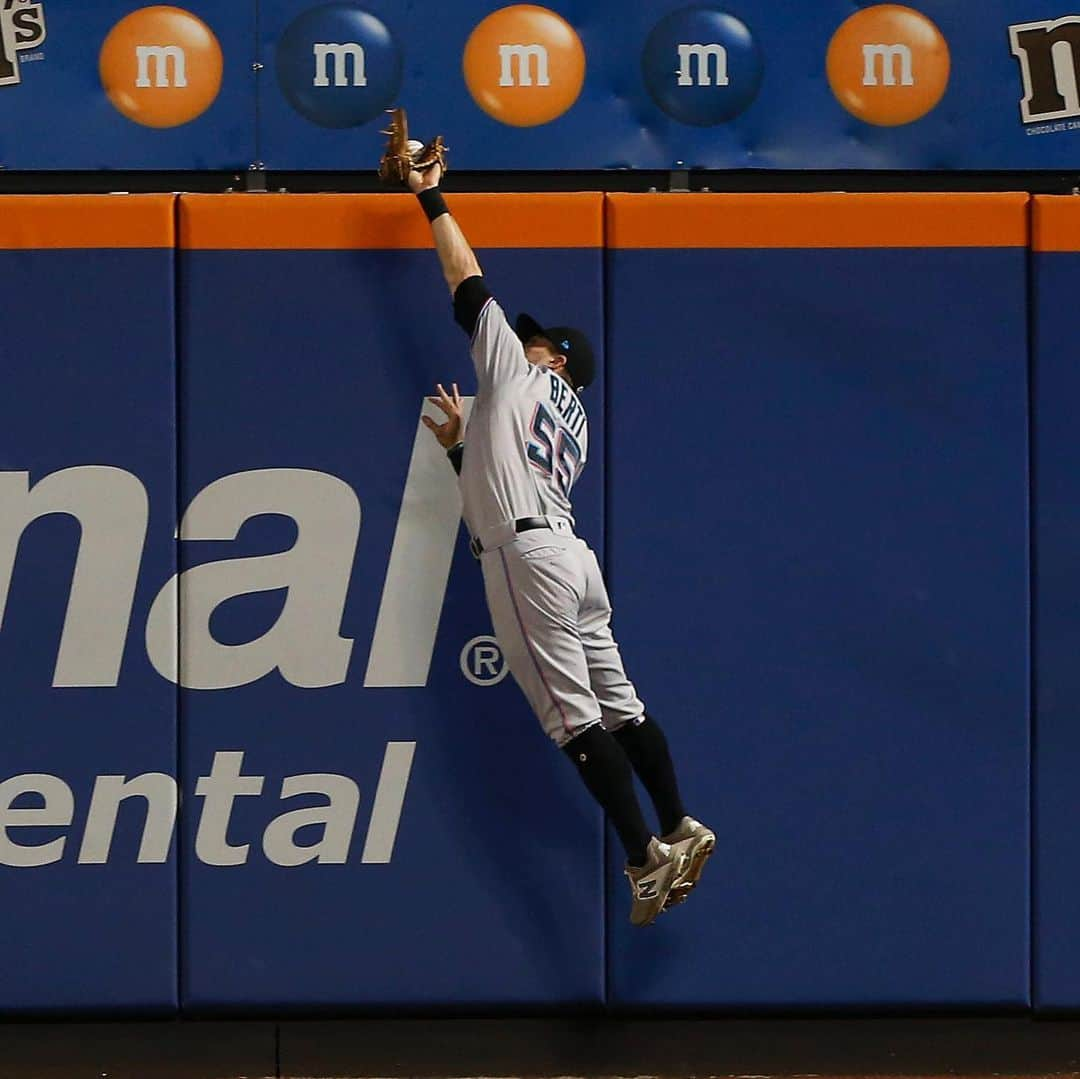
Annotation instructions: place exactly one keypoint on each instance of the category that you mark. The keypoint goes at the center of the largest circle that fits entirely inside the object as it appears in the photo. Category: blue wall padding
(494, 893)
(1056, 629)
(809, 476)
(817, 541)
(89, 375)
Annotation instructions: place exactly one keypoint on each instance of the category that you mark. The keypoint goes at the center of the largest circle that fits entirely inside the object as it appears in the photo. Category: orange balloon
(161, 66)
(524, 65)
(888, 65)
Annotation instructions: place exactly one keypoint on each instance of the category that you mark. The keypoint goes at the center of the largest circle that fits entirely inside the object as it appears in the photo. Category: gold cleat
(692, 840)
(651, 883)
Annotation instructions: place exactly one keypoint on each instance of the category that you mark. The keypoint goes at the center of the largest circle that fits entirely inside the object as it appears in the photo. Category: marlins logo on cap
(573, 344)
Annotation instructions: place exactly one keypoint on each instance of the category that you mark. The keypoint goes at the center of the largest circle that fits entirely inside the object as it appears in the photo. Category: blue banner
(603, 85)
(111, 85)
(595, 85)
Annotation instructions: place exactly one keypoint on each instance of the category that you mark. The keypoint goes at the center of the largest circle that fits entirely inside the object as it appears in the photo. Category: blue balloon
(701, 66)
(338, 65)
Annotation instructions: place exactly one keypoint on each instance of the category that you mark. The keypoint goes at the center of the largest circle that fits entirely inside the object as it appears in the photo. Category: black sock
(646, 747)
(606, 772)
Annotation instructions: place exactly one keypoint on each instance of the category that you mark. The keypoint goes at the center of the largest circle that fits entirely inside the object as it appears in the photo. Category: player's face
(539, 351)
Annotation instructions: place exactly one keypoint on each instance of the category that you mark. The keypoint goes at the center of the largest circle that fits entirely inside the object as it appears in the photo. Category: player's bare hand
(448, 433)
(421, 181)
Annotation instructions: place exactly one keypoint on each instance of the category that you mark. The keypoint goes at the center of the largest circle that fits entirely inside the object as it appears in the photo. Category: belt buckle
(475, 548)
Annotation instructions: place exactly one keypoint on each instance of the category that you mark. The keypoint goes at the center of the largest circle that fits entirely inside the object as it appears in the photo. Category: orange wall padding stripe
(819, 220)
(29, 222)
(1055, 223)
(380, 221)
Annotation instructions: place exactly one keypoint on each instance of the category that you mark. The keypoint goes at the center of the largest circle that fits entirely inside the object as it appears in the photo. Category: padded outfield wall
(810, 485)
(1056, 623)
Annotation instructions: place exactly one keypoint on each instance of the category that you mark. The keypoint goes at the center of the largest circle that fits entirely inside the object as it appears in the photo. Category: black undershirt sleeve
(455, 454)
(469, 299)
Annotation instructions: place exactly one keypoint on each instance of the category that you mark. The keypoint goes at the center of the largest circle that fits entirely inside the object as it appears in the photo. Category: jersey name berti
(567, 405)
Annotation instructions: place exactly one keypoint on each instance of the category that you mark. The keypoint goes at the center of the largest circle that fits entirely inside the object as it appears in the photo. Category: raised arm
(496, 350)
(455, 255)
(463, 275)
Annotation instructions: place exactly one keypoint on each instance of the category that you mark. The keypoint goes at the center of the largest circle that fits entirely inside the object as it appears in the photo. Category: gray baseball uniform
(526, 445)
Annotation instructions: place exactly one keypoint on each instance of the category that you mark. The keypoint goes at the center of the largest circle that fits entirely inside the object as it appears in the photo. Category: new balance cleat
(694, 843)
(651, 883)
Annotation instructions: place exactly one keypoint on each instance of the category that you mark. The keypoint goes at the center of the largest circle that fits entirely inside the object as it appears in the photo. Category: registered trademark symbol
(482, 661)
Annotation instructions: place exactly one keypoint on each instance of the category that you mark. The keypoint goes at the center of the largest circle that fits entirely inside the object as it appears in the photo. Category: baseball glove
(402, 155)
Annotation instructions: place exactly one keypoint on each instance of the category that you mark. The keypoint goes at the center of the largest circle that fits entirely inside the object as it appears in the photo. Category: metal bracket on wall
(255, 180)
(678, 180)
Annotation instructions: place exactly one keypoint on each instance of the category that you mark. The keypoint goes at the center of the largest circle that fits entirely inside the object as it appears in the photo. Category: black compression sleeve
(606, 772)
(644, 743)
(469, 299)
(455, 453)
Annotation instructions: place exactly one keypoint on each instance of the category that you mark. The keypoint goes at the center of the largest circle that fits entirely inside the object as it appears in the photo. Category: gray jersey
(528, 436)
(525, 447)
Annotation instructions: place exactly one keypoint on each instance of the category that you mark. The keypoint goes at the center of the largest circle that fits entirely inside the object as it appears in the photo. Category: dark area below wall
(1042, 183)
(589, 1046)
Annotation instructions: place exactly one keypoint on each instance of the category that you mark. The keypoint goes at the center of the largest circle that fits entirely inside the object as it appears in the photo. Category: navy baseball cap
(571, 343)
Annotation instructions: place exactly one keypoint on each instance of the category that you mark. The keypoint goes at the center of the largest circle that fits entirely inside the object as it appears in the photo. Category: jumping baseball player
(526, 445)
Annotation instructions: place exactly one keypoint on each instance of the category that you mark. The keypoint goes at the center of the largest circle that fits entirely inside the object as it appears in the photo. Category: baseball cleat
(694, 842)
(651, 883)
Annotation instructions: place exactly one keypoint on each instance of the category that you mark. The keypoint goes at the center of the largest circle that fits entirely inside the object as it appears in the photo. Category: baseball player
(527, 443)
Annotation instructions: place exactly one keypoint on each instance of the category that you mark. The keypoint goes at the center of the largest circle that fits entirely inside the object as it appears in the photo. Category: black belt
(522, 524)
